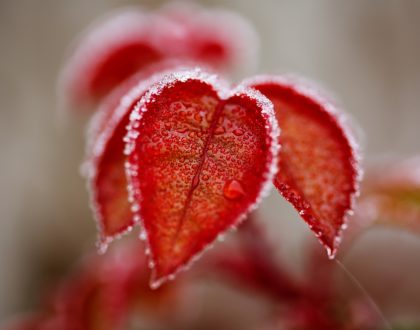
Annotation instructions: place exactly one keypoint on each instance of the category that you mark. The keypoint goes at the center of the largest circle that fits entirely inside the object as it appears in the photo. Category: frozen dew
(143, 235)
(233, 189)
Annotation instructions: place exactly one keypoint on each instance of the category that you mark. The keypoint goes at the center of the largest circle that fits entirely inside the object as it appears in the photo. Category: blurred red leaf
(253, 264)
(109, 52)
(318, 165)
(102, 293)
(126, 41)
(228, 45)
(391, 196)
(313, 301)
(199, 159)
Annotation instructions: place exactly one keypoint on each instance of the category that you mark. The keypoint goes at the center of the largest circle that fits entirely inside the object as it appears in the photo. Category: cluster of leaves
(177, 150)
(174, 149)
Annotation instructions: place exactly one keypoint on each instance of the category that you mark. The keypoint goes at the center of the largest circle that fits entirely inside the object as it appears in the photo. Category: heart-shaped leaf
(199, 159)
(318, 162)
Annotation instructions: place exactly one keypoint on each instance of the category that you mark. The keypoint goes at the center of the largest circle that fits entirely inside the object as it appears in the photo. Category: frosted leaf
(185, 154)
(319, 169)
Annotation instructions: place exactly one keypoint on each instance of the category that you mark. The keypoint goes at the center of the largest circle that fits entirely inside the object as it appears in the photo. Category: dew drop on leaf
(238, 132)
(233, 190)
(219, 130)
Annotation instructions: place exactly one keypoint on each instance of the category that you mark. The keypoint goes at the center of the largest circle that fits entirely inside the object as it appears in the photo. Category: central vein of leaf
(196, 178)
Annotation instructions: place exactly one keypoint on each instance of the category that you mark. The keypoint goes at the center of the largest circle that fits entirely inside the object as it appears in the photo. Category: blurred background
(367, 52)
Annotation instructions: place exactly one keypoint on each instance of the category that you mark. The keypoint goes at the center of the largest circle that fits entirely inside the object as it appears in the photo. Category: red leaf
(391, 196)
(199, 159)
(104, 292)
(105, 157)
(127, 41)
(318, 164)
(229, 45)
(251, 264)
(109, 52)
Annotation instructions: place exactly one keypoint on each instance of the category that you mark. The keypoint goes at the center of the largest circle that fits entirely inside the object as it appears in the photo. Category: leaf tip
(103, 243)
(155, 284)
(156, 280)
(331, 252)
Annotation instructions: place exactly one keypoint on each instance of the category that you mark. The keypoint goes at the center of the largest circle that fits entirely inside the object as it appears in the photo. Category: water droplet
(238, 132)
(233, 189)
(182, 129)
(205, 177)
(219, 130)
(209, 116)
(198, 118)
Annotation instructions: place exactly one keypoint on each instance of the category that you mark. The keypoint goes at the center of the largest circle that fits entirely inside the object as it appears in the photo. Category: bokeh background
(367, 52)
